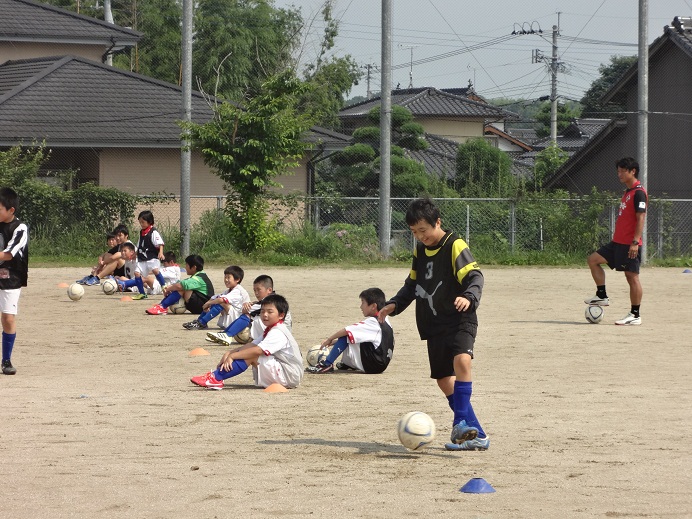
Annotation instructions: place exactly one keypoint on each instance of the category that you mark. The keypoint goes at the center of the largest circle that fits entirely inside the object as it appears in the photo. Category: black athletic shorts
(196, 302)
(617, 257)
(443, 349)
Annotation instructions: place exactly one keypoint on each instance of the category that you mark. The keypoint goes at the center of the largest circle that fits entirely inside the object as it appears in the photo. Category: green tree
(247, 148)
(240, 44)
(566, 113)
(593, 105)
(547, 162)
(483, 171)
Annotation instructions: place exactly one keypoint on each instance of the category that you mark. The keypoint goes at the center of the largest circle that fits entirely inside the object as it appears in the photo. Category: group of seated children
(366, 346)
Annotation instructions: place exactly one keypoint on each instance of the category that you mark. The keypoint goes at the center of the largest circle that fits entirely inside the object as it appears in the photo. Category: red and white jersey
(170, 274)
(634, 200)
(281, 361)
(367, 330)
(235, 297)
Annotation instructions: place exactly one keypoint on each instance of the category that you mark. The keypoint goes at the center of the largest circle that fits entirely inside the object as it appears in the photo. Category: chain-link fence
(492, 226)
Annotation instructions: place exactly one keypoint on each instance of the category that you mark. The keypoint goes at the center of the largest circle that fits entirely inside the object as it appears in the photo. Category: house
(450, 116)
(669, 122)
(114, 127)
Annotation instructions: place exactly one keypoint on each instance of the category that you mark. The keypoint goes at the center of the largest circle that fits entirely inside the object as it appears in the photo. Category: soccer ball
(416, 430)
(316, 354)
(109, 286)
(243, 337)
(594, 314)
(178, 307)
(75, 291)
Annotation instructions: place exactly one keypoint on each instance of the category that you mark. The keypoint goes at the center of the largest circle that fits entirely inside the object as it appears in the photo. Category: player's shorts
(269, 371)
(145, 267)
(617, 257)
(9, 300)
(196, 302)
(443, 349)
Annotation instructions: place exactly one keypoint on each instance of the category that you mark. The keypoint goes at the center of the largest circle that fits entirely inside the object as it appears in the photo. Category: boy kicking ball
(446, 283)
(274, 357)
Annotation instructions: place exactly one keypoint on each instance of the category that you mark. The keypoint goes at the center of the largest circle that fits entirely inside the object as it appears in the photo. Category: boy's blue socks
(140, 285)
(170, 299)
(238, 325)
(237, 368)
(450, 401)
(130, 283)
(159, 278)
(472, 421)
(337, 349)
(207, 316)
(7, 345)
(462, 399)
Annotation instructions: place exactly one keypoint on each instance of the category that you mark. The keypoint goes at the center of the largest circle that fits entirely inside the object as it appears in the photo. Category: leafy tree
(240, 44)
(247, 148)
(483, 171)
(547, 162)
(566, 113)
(609, 75)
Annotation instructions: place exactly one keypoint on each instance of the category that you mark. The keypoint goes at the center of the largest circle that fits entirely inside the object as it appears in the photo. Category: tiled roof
(72, 101)
(25, 20)
(427, 102)
(328, 139)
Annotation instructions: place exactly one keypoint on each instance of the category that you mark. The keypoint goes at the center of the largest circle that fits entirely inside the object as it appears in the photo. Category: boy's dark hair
(147, 216)
(169, 257)
(628, 163)
(374, 295)
(110, 236)
(278, 301)
(236, 272)
(264, 280)
(9, 198)
(195, 260)
(127, 245)
(422, 210)
(121, 228)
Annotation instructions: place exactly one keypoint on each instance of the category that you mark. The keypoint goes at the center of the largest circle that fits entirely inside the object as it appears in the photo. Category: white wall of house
(453, 129)
(18, 50)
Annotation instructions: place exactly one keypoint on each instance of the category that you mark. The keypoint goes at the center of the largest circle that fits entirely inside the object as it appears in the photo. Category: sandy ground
(585, 420)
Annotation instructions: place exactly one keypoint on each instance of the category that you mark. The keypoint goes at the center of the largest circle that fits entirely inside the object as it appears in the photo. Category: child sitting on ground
(367, 346)
(228, 303)
(195, 290)
(149, 255)
(262, 287)
(112, 244)
(275, 357)
(170, 272)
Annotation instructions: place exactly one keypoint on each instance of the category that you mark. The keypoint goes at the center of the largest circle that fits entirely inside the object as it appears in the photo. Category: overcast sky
(479, 44)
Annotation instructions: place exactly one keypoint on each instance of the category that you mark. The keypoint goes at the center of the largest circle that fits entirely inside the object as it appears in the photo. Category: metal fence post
(512, 224)
(468, 223)
(659, 240)
(540, 225)
(219, 207)
(317, 213)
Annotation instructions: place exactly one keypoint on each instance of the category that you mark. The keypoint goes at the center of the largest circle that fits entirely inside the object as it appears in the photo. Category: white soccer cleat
(629, 320)
(597, 301)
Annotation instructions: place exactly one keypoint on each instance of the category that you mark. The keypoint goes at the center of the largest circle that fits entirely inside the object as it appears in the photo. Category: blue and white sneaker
(477, 444)
(462, 432)
(92, 281)
(83, 280)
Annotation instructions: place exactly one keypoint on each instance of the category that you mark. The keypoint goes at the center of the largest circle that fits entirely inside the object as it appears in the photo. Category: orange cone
(275, 388)
(126, 298)
(63, 285)
(198, 351)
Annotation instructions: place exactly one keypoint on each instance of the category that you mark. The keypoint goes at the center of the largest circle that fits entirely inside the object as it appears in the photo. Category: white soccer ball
(75, 291)
(109, 286)
(243, 337)
(177, 307)
(316, 354)
(594, 314)
(416, 430)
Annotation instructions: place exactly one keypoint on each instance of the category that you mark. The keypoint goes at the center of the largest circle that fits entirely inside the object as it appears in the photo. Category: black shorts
(617, 257)
(196, 302)
(443, 349)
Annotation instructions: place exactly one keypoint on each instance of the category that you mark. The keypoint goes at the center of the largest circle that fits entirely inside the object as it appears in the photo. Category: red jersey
(633, 201)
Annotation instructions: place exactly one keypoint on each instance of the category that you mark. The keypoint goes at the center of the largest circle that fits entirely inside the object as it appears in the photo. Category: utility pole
(386, 130)
(186, 115)
(368, 76)
(643, 104)
(410, 70)
(553, 89)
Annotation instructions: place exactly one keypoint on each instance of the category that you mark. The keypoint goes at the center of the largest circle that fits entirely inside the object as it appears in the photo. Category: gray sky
(479, 43)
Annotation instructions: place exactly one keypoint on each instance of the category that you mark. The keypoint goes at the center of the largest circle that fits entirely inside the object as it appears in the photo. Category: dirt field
(584, 420)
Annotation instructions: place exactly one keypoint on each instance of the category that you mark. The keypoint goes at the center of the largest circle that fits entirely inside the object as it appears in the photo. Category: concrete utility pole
(108, 17)
(386, 129)
(186, 115)
(553, 89)
(643, 104)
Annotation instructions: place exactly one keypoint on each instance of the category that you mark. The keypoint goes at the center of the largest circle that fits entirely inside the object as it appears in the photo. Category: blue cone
(477, 486)
(687, 271)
